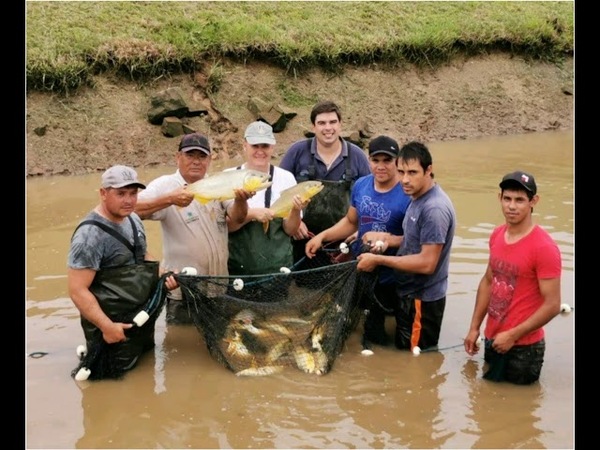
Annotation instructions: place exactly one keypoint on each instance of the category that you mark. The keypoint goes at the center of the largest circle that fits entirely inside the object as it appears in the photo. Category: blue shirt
(301, 154)
(379, 211)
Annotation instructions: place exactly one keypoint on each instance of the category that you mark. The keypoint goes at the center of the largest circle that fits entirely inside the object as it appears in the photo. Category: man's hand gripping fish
(283, 205)
(221, 186)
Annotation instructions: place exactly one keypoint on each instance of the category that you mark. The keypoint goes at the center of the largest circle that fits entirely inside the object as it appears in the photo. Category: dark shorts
(522, 364)
(418, 323)
(376, 309)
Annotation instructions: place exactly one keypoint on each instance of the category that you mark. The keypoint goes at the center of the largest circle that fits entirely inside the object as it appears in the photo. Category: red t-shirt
(516, 268)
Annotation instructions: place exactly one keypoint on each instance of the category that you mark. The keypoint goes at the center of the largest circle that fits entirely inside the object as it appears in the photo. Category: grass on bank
(68, 42)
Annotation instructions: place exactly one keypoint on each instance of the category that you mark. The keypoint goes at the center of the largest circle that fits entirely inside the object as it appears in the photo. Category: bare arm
(424, 262)
(79, 282)
(253, 215)
(292, 222)
(550, 308)
(341, 230)
(482, 300)
(238, 209)
(179, 197)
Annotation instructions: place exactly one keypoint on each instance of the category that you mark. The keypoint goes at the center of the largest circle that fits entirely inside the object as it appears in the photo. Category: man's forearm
(145, 208)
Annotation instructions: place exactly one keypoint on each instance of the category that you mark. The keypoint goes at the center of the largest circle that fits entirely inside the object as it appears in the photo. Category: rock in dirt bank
(95, 128)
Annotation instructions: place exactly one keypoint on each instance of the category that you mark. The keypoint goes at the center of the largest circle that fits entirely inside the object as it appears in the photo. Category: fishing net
(260, 324)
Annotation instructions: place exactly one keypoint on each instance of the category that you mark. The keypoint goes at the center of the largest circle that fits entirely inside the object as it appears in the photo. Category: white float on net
(565, 308)
(189, 271)
(81, 350)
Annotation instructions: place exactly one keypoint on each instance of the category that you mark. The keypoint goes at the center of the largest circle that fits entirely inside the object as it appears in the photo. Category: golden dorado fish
(306, 190)
(259, 371)
(284, 204)
(311, 361)
(220, 186)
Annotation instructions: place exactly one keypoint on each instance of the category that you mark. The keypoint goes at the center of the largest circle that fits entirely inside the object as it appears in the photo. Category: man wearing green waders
(261, 244)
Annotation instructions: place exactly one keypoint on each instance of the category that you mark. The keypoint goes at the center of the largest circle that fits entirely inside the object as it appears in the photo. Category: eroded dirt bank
(492, 95)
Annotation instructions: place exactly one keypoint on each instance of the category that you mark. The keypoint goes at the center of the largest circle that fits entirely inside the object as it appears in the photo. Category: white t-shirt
(194, 236)
(282, 179)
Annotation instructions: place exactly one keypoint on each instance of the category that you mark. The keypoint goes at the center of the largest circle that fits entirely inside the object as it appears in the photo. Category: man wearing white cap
(253, 251)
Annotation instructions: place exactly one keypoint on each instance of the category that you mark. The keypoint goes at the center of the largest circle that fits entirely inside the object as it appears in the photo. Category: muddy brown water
(179, 397)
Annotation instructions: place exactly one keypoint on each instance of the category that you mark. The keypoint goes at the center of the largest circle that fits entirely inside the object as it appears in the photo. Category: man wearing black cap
(377, 206)
(108, 249)
(423, 257)
(520, 290)
(194, 235)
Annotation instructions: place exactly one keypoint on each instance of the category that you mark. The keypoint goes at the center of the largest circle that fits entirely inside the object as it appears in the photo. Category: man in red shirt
(520, 290)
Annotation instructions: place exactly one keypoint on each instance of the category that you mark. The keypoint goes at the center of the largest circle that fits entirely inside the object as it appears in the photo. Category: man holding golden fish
(194, 234)
(330, 159)
(261, 243)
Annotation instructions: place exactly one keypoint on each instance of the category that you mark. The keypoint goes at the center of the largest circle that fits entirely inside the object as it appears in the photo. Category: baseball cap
(121, 176)
(384, 144)
(259, 133)
(194, 141)
(524, 179)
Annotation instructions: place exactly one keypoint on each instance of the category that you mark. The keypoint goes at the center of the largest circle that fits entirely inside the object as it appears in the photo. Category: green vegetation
(68, 42)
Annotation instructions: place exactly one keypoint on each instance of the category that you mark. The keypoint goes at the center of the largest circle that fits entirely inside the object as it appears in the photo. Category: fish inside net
(260, 324)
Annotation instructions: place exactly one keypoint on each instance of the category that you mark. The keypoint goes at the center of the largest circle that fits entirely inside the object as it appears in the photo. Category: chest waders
(327, 208)
(121, 292)
(248, 254)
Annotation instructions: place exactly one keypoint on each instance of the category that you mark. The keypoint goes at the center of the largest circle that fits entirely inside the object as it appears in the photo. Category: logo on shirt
(191, 217)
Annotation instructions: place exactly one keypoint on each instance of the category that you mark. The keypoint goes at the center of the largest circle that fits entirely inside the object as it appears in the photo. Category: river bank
(489, 95)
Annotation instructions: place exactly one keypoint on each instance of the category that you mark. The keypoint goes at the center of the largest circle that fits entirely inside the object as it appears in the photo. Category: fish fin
(200, 199)
(265, 227)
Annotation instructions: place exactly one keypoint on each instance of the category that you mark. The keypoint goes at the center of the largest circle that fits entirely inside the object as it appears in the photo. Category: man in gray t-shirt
(110, 274)
(422, 261)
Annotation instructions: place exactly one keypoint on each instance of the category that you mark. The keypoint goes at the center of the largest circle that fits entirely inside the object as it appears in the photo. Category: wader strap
(312, 168)
(114, 233)
(268, 191)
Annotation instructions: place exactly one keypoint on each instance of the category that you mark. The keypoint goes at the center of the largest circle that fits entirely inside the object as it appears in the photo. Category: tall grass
(68, 42)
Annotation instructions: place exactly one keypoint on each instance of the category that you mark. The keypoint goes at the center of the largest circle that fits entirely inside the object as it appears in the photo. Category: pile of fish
(257, 347)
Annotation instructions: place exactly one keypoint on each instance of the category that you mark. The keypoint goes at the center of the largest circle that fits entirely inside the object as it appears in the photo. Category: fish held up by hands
(222, 186)
(305, 190)
(300, 193)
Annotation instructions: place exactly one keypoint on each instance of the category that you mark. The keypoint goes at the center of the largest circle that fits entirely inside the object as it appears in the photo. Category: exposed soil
(490, 95)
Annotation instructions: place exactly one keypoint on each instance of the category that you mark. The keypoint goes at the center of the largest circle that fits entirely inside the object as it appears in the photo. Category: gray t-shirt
(430, 219)
(93, 248)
